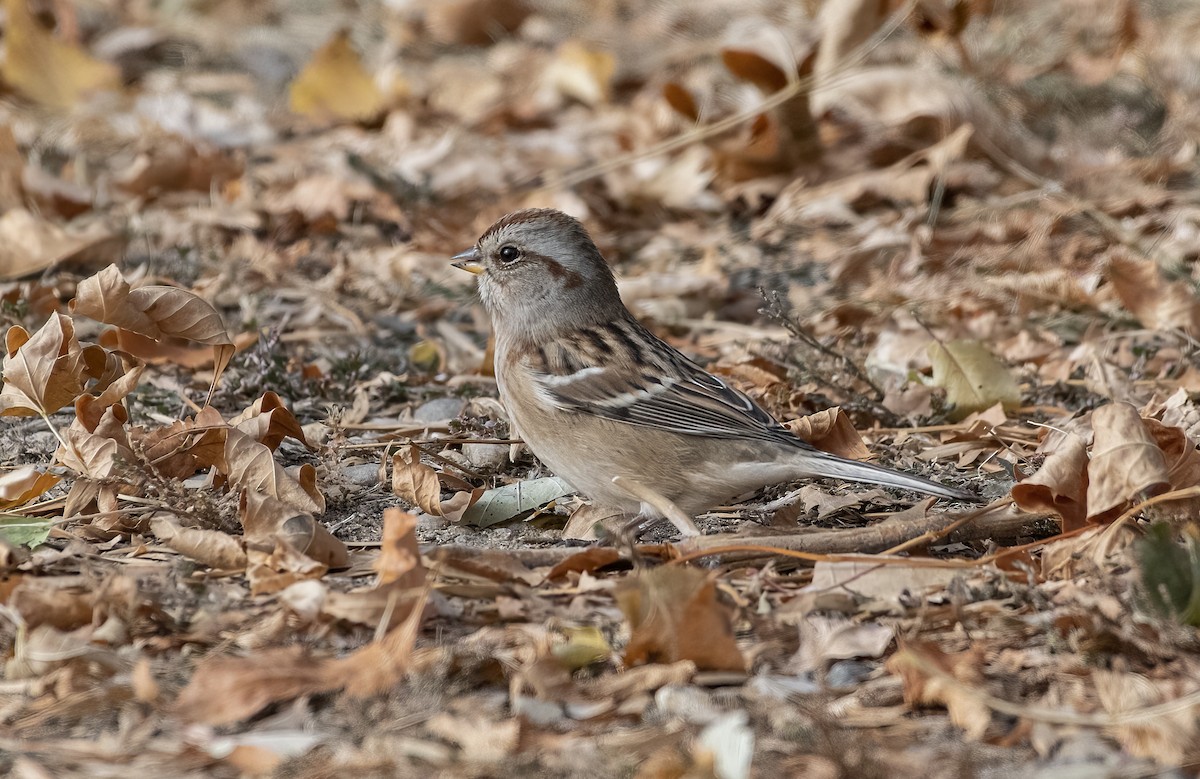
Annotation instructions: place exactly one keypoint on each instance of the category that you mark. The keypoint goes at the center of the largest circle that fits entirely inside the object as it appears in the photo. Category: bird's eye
(509, 254)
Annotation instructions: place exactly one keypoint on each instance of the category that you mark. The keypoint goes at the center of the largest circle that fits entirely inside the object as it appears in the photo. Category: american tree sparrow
(595, 395)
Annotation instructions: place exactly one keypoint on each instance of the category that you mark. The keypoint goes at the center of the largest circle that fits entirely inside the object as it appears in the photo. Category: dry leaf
(932, 677)
(23, 484)
(1059, 486)
(227, 689)
(474, 22)
(155, 312)
(1182, 456)
(211, 547)
(824, 639)
(972, 377)
(251, 466)
(416, 482)
(48, 370)
(334, 85)
(45, 69)
(581, 73)
(1157, 303)
(681, 100)
(399, 561)
(1163, 738)
(30, 244)
(831, 431)
(674, 614)
(1126, 463)
(269, 421)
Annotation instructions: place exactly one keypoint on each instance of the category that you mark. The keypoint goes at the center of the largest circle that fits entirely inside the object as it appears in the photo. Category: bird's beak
(469, 261)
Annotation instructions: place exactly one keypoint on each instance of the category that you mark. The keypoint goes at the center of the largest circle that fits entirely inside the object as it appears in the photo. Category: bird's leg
(655, 507)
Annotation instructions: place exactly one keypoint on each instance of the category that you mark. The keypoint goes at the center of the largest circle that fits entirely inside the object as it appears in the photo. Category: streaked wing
(623, 372)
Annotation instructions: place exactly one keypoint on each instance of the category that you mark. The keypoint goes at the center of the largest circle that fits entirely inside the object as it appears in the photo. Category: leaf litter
(963, 238)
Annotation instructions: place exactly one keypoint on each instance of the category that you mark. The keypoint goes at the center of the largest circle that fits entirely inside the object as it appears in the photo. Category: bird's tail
(831, 465)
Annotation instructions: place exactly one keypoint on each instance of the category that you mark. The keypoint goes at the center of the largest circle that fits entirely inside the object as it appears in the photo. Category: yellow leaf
(45, 69)
(335, 85)
(582, 74)
(974, 379)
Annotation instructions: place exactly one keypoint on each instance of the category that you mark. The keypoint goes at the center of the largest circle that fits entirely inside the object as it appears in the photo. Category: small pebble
(486, 456)
(364, 475)
(439, 410)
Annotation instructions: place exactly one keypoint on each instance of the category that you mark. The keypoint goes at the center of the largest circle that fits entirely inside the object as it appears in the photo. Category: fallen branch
(1001, 522)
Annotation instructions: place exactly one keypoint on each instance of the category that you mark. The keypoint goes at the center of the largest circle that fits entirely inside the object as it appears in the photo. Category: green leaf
(503, 503)
(24, 531)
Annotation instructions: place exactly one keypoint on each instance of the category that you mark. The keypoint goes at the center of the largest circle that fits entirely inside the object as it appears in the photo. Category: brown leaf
(831, 431)
(155, 312)
(23, 484)
(46, 69)
(380, 665)
(474, 22)
(1059, 486)
(1182, 456)
(227, 689)
(269, 421)
(175, 164)
(97, 453)
(210, 547)
(675, 614)
(29, 244)
(42, 372)
(681, 100)
(934, 678)
(754, 68)
(416, 482)
(251, 466)
(1162, 738)
(65, 603)
(399, 561)
(588, 560)
(1157, 303)
(1126, 462)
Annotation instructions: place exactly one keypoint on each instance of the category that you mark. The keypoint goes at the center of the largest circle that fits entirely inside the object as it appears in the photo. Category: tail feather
(853, 470)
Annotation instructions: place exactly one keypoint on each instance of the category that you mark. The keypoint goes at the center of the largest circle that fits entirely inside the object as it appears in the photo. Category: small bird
(596, 395)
